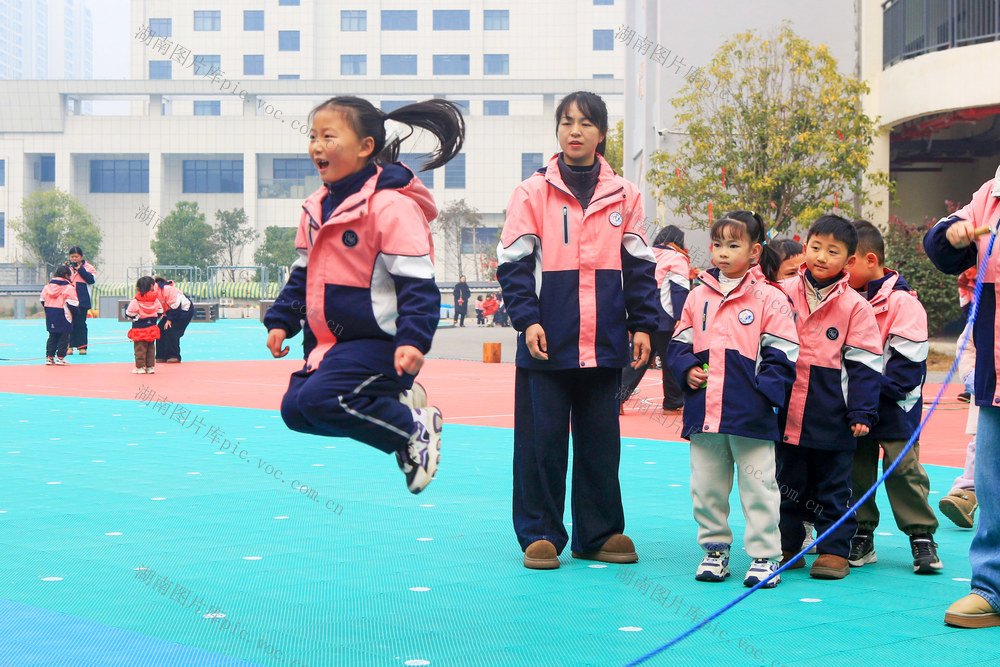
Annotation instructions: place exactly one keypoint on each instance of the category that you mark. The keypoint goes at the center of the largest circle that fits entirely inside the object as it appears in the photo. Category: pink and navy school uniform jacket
(839, 370)
(672, 270)
(984, 209)
(750, 347)
(587, 276)
(143, 310)
(365, 273)
(61, 305)
(82, 277)
(902, 323)
(175, 303)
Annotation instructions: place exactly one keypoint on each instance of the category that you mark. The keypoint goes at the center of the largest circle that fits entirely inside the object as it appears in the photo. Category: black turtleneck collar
(340, 190)
(581, 181)
(826, 283)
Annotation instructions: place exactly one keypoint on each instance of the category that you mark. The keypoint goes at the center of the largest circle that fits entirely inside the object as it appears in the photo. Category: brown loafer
(618, 549)
(960, 506)
(172, 360)
(787, 556)
(972, 611)
(828, 566)
(541, 555)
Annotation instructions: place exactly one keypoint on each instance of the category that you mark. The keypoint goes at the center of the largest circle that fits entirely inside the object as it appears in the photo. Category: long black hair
(441, 118)
(145, 284)
(593, 109)
(670, 234)
(738, 223)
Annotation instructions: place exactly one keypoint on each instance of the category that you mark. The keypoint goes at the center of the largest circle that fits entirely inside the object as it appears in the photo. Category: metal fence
(911, 28)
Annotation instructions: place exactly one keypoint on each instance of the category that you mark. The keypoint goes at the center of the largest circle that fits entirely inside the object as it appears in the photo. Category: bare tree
(455, 217)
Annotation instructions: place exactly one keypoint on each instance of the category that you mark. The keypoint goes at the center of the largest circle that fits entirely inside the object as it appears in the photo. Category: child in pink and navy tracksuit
(739, 326)
(143, 310)
(61, 307)
(834, 400)
(82, 275)
(363, 290)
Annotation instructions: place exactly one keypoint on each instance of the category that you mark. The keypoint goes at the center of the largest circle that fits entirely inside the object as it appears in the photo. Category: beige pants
(712, 458)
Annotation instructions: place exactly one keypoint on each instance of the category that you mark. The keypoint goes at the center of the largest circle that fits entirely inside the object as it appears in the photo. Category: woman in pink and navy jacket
(61, 306)
(955, 244)
(82, 275)
(178, 312)
(363, 289)
(576, 279)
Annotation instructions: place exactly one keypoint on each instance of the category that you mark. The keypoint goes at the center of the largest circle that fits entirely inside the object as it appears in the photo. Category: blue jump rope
(868, 494)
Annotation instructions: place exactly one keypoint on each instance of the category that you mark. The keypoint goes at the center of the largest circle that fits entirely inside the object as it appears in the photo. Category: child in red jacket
(837, 385)
(143, 310)
(902, 323)
(62, 306)
(734, 352)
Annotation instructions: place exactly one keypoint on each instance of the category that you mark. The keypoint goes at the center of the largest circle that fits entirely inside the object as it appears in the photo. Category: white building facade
(220, 101)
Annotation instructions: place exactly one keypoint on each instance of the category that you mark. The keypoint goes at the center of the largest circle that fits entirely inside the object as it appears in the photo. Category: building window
(496, 19)
(388, 106)
(288, 3)
(399, 65)
(296, 168)
(3, 231)
(399, 19)
(454, 172)
(208, 20)
(203, 64)
(604, 40)
(288, 76)
(604, 2)
(496, 108)
(288, 40)
(3, 173)
(46, 169)
(496, 63)
(159, 69)
(253, 65)
(119, 176)
(353, 20)
(475, 239)
(253, 19)
(530, 163)
(213, 176)
(451, 19)
(161, 27)
(413, 161)
(451, 64)
(353, 65)
(207, 108)
(604, 76)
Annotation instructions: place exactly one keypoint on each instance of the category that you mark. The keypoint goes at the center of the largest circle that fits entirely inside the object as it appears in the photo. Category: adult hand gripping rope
(973, 311)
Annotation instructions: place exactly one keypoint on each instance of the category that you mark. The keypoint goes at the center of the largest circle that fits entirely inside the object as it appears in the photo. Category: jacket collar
(753, 276)
(607, 183)
(840, 286)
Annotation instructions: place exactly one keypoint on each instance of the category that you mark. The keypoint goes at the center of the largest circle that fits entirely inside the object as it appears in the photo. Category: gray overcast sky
(112, 31)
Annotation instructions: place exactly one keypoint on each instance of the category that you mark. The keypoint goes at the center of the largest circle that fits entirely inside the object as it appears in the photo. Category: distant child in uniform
(363, 289)
(834, 400)
(143, 310)
(61, 304)
(734, 352)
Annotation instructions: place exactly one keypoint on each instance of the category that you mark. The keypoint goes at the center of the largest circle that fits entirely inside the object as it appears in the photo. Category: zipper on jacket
(565, 225)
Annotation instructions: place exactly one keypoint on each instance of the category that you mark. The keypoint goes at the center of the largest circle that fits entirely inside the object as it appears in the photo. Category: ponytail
(770, 262)
(441, 118)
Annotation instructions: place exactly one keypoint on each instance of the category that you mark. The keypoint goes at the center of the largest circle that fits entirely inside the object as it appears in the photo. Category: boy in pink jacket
(61, 307)
(837, 384)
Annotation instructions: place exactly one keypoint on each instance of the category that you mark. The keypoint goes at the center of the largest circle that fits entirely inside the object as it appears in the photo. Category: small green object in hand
(704, 384)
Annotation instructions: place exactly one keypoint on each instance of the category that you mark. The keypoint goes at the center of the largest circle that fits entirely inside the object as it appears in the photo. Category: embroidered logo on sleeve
(746, 316)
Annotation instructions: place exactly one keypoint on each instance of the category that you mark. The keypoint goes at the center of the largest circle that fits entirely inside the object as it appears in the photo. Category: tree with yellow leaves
(772, 126)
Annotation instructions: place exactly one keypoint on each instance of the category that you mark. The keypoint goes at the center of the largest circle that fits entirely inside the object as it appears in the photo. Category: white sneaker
(149, 370)
(419, 458)
(761, 569)
(809, 537)
(714, 566)
(50, 361)
(414, 398)
(138, 371)
(61, 361)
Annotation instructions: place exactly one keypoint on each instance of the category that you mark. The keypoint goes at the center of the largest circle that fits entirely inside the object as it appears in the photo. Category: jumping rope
(951, 372)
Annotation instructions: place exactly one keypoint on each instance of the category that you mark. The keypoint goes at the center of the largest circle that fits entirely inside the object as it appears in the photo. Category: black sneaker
(862, 550)
(925, 558)
(964, 397)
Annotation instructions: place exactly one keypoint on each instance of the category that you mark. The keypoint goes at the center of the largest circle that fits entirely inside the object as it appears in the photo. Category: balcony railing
(911, 28)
